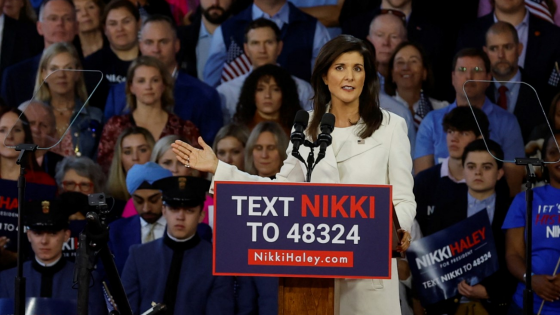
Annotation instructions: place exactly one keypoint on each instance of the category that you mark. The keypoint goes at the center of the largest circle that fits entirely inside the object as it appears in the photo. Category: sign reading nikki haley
(303, 230)
(463, 251)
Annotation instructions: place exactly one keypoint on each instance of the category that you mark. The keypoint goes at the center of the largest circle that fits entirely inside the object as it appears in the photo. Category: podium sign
(302, 230)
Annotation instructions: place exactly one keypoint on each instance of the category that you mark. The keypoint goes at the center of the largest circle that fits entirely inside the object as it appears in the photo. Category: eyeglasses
(475, 69)
(397, 13)
(71, 185)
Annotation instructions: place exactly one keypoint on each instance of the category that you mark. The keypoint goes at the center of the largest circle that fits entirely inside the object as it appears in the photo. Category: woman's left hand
(405, 240)
(478, 291)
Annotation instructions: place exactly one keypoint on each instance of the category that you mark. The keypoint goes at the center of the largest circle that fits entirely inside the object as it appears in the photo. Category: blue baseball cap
(142, 176)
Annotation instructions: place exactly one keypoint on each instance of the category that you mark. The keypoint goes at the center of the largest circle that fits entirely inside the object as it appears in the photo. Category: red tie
(502, 99)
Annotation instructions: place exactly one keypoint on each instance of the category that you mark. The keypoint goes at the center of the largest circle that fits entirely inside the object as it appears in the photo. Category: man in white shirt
(262, 46)
(149, 224)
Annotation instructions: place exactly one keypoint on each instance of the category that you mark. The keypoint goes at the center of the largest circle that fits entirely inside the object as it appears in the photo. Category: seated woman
(545, 251)
(133, 146)
(88, 15)
(229, 144)
(410, 81)
(266, 149)
(268, 94)
(66, 93)
(149, 93)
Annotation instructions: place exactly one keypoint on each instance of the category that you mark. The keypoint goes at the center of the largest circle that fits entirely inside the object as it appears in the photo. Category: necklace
(63, 110)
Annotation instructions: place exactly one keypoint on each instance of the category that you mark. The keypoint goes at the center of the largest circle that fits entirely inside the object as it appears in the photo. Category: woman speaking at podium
(369, 146)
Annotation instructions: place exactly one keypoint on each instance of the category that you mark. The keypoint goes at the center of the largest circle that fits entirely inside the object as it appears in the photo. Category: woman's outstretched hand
(202, 160)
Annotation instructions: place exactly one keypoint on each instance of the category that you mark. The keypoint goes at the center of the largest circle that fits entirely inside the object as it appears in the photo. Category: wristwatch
(525, 276)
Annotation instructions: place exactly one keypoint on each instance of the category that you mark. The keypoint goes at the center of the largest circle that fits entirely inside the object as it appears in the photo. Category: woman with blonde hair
(229, 144)
(133, 146)
(60, 84)
(266, 149)
(149, 94)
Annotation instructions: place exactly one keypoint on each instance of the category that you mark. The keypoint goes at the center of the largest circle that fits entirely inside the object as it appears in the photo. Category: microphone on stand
(298, 137)
(325, 139)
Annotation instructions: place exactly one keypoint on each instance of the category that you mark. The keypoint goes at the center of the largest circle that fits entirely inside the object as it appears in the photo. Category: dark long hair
(427, 85)
(546, 174)
(28, 136)
(246, 106)
(369, 99)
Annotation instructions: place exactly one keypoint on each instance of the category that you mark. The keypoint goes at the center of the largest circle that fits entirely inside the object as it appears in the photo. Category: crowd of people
(107, 89)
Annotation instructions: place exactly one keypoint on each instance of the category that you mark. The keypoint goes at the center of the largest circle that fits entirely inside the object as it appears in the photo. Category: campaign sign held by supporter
(464, 251)
(302, 230)
(9, 206)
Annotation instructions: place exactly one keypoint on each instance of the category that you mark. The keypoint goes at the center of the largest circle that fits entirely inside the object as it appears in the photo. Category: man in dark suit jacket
(539, 39)
(196, 37)
(57, 23)
(503, 49)
(195, 100)
(482, 174)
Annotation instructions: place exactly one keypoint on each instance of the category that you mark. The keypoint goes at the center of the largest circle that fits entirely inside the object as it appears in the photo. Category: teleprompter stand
(530, 164)
(19, 301)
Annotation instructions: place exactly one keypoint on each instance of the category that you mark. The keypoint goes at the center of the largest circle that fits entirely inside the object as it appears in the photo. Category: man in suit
(176, 270)
(49, 274)
(302, 34)
(194, 100)
(262, 46)
(149, 224)
(471, 64)
(503, 49)
(541, 48)
(57, 23)
(482, 173)
(196, 38)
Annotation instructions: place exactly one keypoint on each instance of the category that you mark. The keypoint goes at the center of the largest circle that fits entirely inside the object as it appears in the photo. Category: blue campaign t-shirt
(546, 238)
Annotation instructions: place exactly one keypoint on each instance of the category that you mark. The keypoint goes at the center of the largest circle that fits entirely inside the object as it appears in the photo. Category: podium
(306, 234)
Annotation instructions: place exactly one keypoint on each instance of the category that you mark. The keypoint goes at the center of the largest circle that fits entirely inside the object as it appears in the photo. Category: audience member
(268, 94)
(57, 24)
(265, 150)
(148, 8)
(20, 10)
(133, 146)
(262, 46)
(88, 15)
(164, 157)
(543, 131)
(229, 145)
(49, 274)
(303, 37)
(14, 130)
(121, 23)
(482, 172)
(534, 33)
(80, 174)
(65, 91)
(503, 49)
(148, 225)
(386, 32)
(43, 128)
(545, 253)
(471, 64)
(410, 81)
(177, 268)
(444, 182)
(420, 29)
(196, 37)
(194, 100)
(19, 39)
(546, 10)
(149, 93)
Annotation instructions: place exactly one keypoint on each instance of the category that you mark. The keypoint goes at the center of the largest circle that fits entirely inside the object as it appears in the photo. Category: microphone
(327, 126)
(300, 123)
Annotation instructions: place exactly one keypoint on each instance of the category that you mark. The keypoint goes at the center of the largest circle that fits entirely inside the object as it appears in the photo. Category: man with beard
(148, 225)
(196, 37)
(503, 49)
(431, 147)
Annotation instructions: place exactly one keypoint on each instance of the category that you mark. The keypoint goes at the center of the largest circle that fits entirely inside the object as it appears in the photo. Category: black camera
(96, 200)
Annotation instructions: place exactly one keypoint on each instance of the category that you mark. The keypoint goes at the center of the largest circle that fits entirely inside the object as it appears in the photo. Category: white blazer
(381, 159)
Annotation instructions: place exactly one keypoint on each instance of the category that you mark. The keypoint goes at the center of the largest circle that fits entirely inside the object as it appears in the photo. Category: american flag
(540, 9)
(236, 64)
